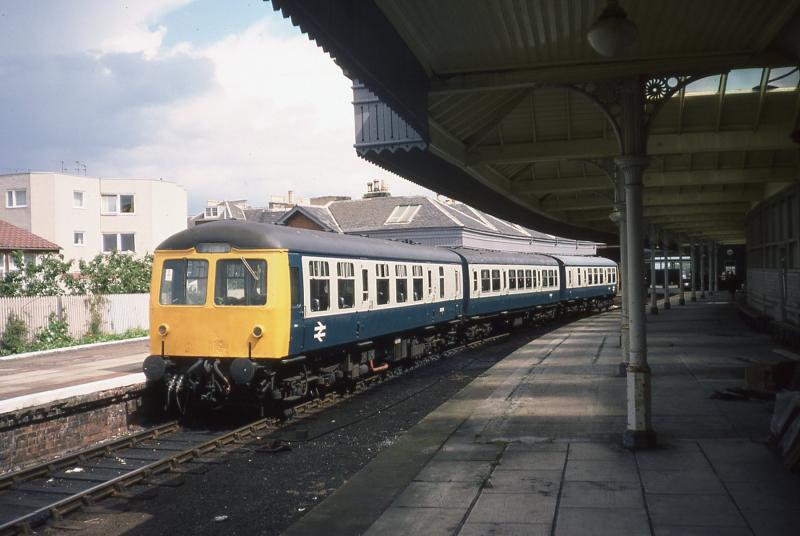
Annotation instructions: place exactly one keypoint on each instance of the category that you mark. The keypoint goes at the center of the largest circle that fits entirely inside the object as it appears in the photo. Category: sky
(227, 99)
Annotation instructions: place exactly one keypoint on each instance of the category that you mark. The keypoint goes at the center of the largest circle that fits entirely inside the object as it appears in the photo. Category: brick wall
(41, 433)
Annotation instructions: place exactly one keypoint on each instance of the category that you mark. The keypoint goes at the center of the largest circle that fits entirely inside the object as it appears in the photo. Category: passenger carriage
(589, 281)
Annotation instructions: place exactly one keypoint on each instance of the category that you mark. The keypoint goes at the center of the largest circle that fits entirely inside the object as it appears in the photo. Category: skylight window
(402, 214)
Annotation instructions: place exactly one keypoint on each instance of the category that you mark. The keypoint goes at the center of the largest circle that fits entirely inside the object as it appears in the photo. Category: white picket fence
(119, 312)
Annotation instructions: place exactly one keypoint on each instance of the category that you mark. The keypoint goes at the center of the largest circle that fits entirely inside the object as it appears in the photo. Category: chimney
(369, 186)
(289, 197)
(384, 186)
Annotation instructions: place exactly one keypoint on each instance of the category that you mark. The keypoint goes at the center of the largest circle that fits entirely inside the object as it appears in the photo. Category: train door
(365, 290)
(297, 309)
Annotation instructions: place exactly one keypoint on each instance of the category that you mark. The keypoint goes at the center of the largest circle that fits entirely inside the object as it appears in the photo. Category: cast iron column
(653, 294)
(714, 270)
(693, 259)
(639, 431)
(681, 296)
(619, 216)
(667, 304)
(702, 271)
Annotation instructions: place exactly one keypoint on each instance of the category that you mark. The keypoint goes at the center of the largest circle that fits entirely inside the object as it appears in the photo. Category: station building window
(183, 282)
(346, 284)
(241, 282)
(319, 285)
(382, 283)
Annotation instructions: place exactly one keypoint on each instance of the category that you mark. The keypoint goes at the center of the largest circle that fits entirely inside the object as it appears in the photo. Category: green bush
(15, 337)
(54, 335)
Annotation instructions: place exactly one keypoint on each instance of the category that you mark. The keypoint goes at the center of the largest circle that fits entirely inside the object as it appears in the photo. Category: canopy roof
(504, 105)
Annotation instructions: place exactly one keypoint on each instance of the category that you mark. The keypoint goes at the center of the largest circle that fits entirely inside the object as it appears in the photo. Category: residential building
(13, 238)
(90, 215)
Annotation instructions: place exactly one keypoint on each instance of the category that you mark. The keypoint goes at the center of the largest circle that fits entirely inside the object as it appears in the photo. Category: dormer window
(402, 214)
(212, 212)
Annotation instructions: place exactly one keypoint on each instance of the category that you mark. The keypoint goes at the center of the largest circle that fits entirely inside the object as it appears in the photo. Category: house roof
(260, 215)
(320, 215)
(15, 238)
(364, 215)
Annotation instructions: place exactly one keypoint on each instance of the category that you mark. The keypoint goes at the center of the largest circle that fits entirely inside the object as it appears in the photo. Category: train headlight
(163, 329)
(258, 331)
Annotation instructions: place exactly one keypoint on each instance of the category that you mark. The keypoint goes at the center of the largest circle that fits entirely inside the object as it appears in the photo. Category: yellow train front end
(218, 315)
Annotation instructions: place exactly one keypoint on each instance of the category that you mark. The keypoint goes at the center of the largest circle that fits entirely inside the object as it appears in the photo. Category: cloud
(257, 113)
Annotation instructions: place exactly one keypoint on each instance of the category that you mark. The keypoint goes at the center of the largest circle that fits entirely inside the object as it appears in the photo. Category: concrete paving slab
(693, 510)
(602, 495)
(544, 483)
(455, 471)
(702, 531)
(602, 470)
(427, 521)
(698, 481)
(598, 451)
(532, 460)
(513, 508)
(463, 451)
(438, 495)
(504, 529)
(602, 522)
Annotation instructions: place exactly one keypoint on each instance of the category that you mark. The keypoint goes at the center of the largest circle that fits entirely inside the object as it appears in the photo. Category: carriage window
(520, 278)
(486, 282)
(504, 280)
(364, 284)
(346, 284)
(241, 282)
(441, 282)
(475, 281)
(401, 283)
(416, 272)
(495, 280)
(319, 285)
(552, 278)
(382, 283)
(512, 280)
(430, 282)
(184, 282)
(602, 275)
(579, 276)
(529, 278)
(457, 282)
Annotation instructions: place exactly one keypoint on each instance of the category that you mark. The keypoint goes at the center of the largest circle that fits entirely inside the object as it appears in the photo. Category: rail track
(50, 491)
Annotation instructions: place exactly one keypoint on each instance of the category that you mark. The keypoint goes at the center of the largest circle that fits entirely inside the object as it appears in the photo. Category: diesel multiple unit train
(277, 313)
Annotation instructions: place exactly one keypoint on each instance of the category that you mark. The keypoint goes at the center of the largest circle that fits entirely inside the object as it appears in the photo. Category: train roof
(483, 256)
(577, 260)
(252, 235)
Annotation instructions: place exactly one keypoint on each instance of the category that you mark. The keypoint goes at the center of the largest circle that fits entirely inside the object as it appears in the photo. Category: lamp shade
(613, 33)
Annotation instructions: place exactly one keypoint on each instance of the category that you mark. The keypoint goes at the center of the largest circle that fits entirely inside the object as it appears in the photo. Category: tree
(48, 276)
(116, 273)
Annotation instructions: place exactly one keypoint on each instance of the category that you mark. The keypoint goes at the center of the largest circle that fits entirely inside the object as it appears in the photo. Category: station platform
(50, 376)
(533, 447)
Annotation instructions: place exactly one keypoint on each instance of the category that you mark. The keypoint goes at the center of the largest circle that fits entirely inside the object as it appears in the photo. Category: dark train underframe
(277, 385)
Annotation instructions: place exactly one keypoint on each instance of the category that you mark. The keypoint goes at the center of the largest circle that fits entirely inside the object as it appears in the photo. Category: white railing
(116, 313)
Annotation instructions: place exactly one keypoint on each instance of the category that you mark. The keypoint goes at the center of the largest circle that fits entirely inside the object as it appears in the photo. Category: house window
(346, 284)
(402, 214)
(319, 283)
(118, 242)
(382, 283)
(77, 238)
(77, 199)
(212, 212)
(117, 204)
(16, 198)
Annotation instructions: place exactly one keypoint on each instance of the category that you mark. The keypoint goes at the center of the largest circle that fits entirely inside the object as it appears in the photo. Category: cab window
(184, 282)
(241, 282)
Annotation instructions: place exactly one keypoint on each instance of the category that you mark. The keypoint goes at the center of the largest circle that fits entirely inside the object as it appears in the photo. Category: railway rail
(51, 490)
